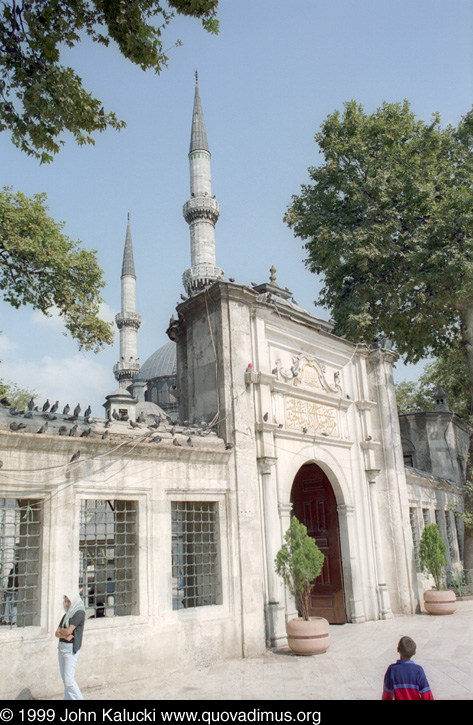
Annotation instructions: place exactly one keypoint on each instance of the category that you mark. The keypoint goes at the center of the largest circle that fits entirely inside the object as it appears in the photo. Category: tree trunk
(466, 318)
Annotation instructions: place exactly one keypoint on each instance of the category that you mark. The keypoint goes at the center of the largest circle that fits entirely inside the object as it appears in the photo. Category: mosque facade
(168, 512)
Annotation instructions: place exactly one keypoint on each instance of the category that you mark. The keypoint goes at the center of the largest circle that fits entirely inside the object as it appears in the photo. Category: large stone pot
(308, 637)
(440, 602)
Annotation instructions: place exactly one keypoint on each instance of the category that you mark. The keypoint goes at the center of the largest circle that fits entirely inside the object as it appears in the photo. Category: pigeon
(304, 430)
(77, 410)
(108, 423)
(88, 412)
(75, 457)
(105, 434)
(63, 430)
(265, 417)
(72, 418)
(29, 414)
(5, 402)
(66, 409)
(141, 418)
(74, 430)
(189, 442)
(54, 407)
(31, 404)
(175, 442)
(1, 464)
(48, 416)
(156, 439)
(46, 406)
(115, 415)
(14, 411)
(44, 428)
(17, 426)
(86, 433)
(134, 425)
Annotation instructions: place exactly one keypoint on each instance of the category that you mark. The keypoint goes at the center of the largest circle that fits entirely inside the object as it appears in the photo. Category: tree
(299, 562)
(40, 98)
(432, 553)
(41, 267)
(388, 220)
(447, 371)
(18, 397)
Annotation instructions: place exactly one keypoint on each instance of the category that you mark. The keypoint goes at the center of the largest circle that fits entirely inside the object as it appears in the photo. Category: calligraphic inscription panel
(313, 416)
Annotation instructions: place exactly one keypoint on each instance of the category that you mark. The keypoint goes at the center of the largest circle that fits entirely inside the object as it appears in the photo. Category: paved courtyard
(352, 668)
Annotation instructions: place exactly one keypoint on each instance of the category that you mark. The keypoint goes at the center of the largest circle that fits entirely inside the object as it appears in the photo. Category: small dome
(160, 364)
(149, 410)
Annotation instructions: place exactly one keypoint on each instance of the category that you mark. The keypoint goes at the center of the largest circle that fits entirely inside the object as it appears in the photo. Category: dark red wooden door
(315, 506)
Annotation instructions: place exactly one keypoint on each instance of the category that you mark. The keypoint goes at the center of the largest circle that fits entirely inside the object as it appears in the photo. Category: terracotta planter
(308, 637)
(440, 602)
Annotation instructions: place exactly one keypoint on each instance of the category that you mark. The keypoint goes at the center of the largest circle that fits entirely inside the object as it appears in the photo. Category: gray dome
(160, 364)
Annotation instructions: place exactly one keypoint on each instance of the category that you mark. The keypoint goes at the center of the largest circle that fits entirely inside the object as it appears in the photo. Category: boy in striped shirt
(405, 680)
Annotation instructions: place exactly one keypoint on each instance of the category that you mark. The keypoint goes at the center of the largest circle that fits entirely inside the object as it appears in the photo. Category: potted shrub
(299, 562)
(432, 559)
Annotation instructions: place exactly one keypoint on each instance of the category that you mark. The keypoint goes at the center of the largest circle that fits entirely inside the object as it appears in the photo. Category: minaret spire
(128, 321)
(201, 212)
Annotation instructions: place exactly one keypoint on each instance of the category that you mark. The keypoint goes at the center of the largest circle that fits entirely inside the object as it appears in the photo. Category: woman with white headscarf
(69, 634)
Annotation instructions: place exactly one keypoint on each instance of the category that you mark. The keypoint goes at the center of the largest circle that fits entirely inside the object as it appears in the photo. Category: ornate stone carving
(316, 417)
(307, 373)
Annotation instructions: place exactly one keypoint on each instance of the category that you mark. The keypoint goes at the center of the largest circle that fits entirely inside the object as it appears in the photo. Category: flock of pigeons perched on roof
(149, 423)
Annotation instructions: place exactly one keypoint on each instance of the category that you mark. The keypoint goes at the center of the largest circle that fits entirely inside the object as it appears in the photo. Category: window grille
(109, 557)
(426, 517)
(415, 536)
(196, 579)
(450, 525)
(20, 561)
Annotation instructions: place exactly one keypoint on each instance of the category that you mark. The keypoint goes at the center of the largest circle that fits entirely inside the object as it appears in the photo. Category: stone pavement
(351, 669)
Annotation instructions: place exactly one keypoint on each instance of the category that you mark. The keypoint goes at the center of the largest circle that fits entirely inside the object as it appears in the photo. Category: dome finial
(197, 77)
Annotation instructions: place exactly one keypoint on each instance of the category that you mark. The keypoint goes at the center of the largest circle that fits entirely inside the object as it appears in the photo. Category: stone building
(169, 520)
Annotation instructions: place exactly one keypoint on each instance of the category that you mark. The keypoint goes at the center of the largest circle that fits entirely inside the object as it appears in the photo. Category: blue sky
(267, 82)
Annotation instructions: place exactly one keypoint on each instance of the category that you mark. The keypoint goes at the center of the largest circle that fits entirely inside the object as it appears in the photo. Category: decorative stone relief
(307, 373)
(302, 414)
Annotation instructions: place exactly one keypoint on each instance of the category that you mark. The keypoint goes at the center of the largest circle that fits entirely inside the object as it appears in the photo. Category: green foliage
(412, 397)
(40, 99)
(432, 553)
(41, 267)
(299, 562)
(447, 371)
(18, 397)
(387, 220)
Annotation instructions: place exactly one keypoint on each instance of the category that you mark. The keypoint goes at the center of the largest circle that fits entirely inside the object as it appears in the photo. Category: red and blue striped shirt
(406, 681)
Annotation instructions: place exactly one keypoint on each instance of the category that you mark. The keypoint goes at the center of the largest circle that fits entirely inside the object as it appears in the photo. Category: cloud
(75, 379)
(7, 346)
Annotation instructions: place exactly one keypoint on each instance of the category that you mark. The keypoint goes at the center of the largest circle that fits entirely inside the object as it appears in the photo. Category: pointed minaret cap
(198, 133)
(128, 267)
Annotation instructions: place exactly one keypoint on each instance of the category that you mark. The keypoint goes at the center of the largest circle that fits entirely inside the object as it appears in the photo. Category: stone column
(354, 598)
(275, 621)
(384, 601)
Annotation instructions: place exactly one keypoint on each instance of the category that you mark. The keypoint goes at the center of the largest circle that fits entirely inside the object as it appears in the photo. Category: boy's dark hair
(406, 648)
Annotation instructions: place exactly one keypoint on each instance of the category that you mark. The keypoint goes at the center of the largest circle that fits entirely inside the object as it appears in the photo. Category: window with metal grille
(108, 576)
(451, 536)
(196, 578)
(20, 561)
(415, 535)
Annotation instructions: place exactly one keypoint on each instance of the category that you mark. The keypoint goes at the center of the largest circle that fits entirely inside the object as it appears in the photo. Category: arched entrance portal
(314, 504)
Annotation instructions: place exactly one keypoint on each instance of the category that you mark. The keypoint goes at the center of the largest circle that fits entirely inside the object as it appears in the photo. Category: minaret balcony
(201, 207)
(126, 369)
(198, 278)
(128, 319)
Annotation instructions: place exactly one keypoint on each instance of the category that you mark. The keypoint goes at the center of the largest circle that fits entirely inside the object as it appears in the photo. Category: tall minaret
(128, 321)
(201, 212)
